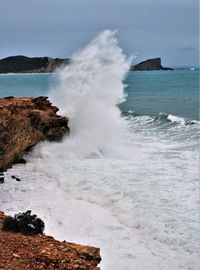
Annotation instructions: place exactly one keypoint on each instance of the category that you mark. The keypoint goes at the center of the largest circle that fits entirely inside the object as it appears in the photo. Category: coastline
(39, 251)
(98, 182)
(19, 251)
(22, 64)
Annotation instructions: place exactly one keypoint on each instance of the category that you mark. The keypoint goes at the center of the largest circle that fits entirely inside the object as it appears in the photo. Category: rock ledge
(18, 251)
(23, 123)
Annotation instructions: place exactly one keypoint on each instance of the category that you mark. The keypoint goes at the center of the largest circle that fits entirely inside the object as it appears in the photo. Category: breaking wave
(89, 90)
(160, 119)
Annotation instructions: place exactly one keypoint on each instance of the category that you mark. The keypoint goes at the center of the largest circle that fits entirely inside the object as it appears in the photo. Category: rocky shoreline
(36, 252)
(23, 123)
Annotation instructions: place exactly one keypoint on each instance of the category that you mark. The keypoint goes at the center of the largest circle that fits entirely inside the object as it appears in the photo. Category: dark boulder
(16, 178)
(24, 223)
(20, 161)
(1, 179)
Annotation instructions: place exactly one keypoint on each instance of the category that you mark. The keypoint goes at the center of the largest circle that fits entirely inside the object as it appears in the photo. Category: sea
(126, 180)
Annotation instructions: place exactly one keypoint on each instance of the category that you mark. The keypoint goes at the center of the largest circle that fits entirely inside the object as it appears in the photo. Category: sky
(57, 28)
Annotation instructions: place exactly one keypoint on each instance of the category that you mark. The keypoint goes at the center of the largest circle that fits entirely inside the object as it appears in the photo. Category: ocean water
(127, 179)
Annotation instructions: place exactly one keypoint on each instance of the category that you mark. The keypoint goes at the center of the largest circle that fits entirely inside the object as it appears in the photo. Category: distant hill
(23, 64)
(150, 64)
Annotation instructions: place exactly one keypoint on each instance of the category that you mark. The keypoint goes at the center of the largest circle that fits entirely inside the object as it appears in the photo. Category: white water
(116, 183)
(176, 119)
(89, 91)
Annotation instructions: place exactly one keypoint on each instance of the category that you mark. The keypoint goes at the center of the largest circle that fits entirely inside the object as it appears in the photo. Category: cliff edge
(23, 123)
(41, 252)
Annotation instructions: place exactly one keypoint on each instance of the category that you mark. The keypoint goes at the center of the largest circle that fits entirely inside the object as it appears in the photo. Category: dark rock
(9, 97)
(1, 180)
(16, 178)
(20, 161)
(23, 64)
(24, 223)
(150, 64)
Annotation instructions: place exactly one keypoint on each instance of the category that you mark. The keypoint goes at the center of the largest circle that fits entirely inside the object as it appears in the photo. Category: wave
(180, 120)
(160, 119)
(89, 91)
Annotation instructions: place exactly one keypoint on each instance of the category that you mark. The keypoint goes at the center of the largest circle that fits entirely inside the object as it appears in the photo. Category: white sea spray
(89, 90)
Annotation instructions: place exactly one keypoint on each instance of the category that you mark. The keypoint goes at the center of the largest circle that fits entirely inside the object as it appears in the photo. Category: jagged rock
(21, 161)
(16, 178)
(24, 223)
(150, 64)
(1, 179)
(23, 64)
(23, 123)
(91, 254)
(19, 251)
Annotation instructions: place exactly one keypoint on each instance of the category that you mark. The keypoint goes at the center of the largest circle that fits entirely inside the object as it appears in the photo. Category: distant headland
(24, 64)
(150, 64)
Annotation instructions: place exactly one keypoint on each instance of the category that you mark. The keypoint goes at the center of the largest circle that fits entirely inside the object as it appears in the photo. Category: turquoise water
(25, 84)
(171, 92)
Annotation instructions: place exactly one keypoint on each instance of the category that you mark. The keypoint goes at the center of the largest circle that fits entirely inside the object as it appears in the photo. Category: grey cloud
(58, 28)
(186, 48)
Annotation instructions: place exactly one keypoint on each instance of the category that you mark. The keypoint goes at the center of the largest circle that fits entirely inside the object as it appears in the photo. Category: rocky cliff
(25, 122)
(19, 251)
(150, 64)
(23, 64)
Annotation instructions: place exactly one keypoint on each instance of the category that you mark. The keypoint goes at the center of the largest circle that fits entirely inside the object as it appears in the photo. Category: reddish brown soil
(22, 252)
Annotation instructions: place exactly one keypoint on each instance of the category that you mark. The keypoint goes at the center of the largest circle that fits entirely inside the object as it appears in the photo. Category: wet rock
(1, 180)
(16, 178)
(24, 223)
(20, 161)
